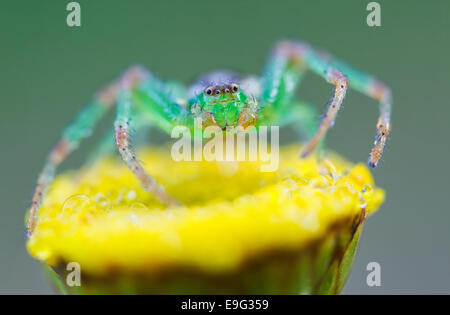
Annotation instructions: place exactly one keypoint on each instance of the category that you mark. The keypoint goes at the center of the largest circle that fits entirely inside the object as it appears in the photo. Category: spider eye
(217, 92)
(208, 91)
(235, 87)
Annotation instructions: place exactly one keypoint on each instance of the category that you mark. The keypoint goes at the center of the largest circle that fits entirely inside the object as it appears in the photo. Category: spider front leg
(106, 146)
(295, 57)
(82, 127)
(122, 131)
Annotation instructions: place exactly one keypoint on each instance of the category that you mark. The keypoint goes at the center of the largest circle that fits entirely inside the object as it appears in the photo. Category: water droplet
(102, 201)
(75, 203)
(367, 188)
(362, 202)
(131, 195)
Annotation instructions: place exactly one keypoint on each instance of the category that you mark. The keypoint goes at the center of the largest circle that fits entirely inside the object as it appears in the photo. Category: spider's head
(225, 105)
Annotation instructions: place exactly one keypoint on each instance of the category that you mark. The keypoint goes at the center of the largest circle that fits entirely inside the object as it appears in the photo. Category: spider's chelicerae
(219, 99)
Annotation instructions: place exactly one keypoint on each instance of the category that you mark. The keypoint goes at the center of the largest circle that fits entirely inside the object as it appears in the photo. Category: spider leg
(122, 126)
(79, 129)
(291, 59)
(82, 127)
(106, 145)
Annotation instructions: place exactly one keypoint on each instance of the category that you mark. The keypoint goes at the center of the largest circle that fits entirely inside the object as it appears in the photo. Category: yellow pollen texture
(101, 217)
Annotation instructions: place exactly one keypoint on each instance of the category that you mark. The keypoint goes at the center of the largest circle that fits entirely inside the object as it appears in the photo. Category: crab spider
(219, 100)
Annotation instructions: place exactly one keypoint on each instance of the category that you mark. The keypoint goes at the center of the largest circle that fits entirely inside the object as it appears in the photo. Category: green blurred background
(48, 71)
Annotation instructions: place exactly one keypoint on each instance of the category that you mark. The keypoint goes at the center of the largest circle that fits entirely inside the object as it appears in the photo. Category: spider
(223, 100)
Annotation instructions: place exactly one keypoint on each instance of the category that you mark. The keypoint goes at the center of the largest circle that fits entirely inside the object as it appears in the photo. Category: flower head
(237, 223)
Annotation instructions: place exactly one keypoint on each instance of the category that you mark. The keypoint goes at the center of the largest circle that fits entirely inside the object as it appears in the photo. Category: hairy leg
(83, 126)
(293, 58)
(79, 129)
(106, 145)
(122, 127)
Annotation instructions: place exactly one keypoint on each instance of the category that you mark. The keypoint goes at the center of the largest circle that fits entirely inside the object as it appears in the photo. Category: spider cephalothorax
(219, 100)
(224, 104)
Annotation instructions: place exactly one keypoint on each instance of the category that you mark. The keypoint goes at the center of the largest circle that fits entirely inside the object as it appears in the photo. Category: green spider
(218, 100)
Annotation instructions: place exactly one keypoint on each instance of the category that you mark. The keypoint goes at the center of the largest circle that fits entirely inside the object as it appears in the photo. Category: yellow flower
(240, 230)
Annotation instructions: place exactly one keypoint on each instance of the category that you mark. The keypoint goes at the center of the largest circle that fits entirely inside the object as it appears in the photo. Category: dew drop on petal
(102, 201)
(131, 195)
(138, 206)
(362, 202)
(75, 203)
(367, 188)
